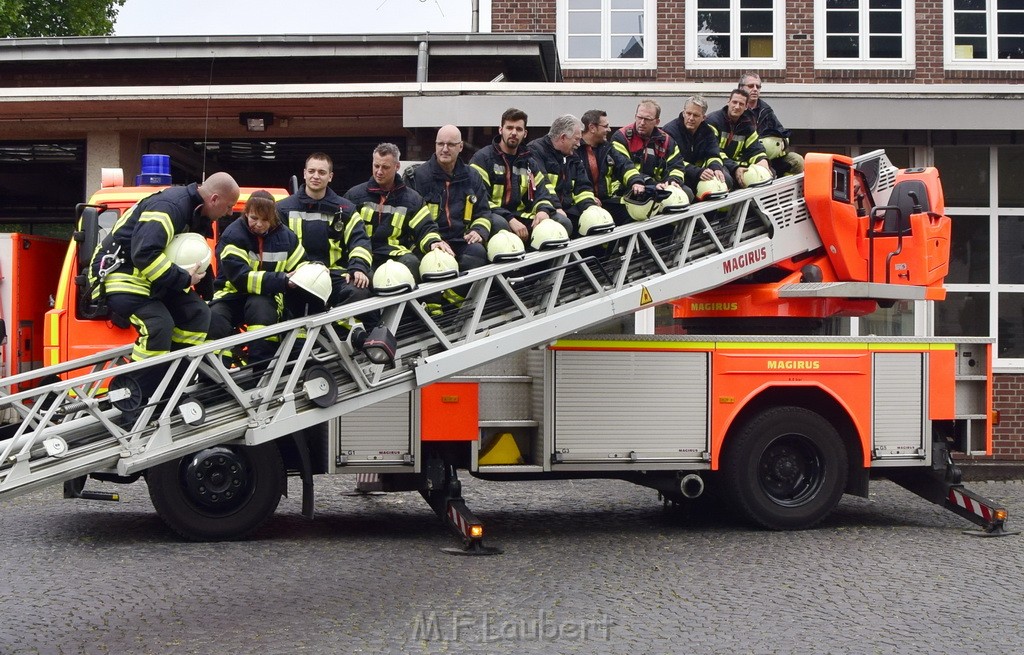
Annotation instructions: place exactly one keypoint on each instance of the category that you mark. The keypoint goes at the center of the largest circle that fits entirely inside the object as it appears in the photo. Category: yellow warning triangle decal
(645, 296)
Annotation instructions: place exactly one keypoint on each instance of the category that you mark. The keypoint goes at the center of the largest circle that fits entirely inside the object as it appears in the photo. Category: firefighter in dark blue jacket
(595, 151)
(456, 198)
(555, 153)
(644, 153)
(332, 233)
(698, 143)
(397, 222)
(516, 188)
(140, 283)
(737, 137)
(255, 255)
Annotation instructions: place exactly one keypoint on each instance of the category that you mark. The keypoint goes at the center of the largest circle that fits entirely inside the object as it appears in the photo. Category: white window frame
(990, 63)
(907, 62)
(776, 62)
(650, 59)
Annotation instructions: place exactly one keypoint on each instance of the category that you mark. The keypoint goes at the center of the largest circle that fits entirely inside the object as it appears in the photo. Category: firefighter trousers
(250, 310)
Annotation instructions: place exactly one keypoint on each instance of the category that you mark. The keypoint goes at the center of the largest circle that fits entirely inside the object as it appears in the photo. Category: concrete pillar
(110, 150)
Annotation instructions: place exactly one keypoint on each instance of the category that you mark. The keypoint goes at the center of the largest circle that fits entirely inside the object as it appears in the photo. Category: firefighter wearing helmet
(132, 272)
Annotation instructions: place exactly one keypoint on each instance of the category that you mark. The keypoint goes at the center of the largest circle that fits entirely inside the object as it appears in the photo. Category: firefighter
(456, 198)
(644, 153)
(698, 143)
(773, 135)
(332, 233)
(256, 255)
(737, 137)
(516, 187)
(555, 154)
(395, 218)
(595, 151)
(144, 288)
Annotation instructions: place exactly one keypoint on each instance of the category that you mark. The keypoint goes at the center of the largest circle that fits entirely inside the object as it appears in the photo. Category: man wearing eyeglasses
(737, 137)
(456, 198)
(770, 127)
(643, 152)
(555, 154)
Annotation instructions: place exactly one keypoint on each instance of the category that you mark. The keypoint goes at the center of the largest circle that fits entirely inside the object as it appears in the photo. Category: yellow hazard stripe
(596, 344)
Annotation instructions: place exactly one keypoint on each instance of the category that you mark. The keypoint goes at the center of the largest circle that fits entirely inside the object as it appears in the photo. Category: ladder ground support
(443, 493)
(941, 484)
(70, 428)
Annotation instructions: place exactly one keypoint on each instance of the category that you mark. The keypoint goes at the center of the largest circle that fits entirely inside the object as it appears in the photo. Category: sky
(263, 17)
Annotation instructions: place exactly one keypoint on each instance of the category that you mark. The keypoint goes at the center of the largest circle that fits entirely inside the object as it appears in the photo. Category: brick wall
(1008, 398)
(540, 16)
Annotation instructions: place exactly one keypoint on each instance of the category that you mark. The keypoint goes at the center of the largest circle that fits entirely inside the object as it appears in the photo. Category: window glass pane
(1011, 24)
(842, 47)
(756, 46)
(888, 22)
(627, 47)
(713, 4)
(841, 4)
(1011, 325)
(969, 24)
(584, 22)
(1003, 5)
(584, 4)
(584, 47)
(973, 5)
(756, 4)
(895, 321)
(627, 4)
(977, 48)
(965, 175)
(1011, 177)
(885, 47)
(968, 252)
(713, 46)
(756, 21)
(716, 22)
(1011, 249)
(1011, 48)
(885, 4)
(627, 22)
(841, 22)
(962, 315)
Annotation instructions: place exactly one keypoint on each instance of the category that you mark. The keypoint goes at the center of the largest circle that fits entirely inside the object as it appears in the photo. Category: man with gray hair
(564, 172)
(698, 143)
(396, 220)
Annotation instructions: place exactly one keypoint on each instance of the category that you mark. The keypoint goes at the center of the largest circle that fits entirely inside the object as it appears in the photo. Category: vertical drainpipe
(475, 25)
(421, 61)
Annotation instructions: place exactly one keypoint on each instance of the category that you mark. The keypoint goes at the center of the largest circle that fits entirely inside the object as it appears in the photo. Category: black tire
(220, 493)
(785, 468)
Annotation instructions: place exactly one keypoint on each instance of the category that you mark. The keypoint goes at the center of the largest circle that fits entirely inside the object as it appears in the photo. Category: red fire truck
(533, 376)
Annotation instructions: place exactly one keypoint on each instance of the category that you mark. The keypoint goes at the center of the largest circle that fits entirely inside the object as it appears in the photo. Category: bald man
(144, 288)
(456, 198)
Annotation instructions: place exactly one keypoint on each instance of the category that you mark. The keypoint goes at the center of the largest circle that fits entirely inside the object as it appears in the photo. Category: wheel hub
(217, 478)
(790, 470)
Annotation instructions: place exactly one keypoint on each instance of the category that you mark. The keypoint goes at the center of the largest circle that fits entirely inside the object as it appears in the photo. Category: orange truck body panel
(449, 411)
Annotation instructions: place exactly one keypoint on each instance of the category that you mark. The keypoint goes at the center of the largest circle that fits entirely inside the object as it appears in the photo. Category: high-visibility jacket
(395, 219)
(457, 202)
(253, 263)
(738, 140)
(637, 159)
(515, 184)
(566, 179)
(330, 229)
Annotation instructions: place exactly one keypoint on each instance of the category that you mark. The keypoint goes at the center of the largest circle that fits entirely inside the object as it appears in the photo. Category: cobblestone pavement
(589, 567)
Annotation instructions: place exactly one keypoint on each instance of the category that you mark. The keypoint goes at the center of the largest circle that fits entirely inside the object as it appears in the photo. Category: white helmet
(188, 249)
(675, 200)
(505, 246)
(392, 278)
(756, 175)
(548, 234)
(774, 146)
(314, 278)
(595, 220)
(712, 189)
(438, 265)
(639, 207)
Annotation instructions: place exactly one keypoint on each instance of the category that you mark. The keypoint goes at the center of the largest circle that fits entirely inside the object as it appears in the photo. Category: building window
(607, 33)
(735, 33)
(864, 33)
(984, 34)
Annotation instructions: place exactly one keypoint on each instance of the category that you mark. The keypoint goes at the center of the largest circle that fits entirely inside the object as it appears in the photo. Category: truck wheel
(218, 493)
(786, 468)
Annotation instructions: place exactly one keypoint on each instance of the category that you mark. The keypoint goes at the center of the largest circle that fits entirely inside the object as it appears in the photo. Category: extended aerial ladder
(69, 425)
